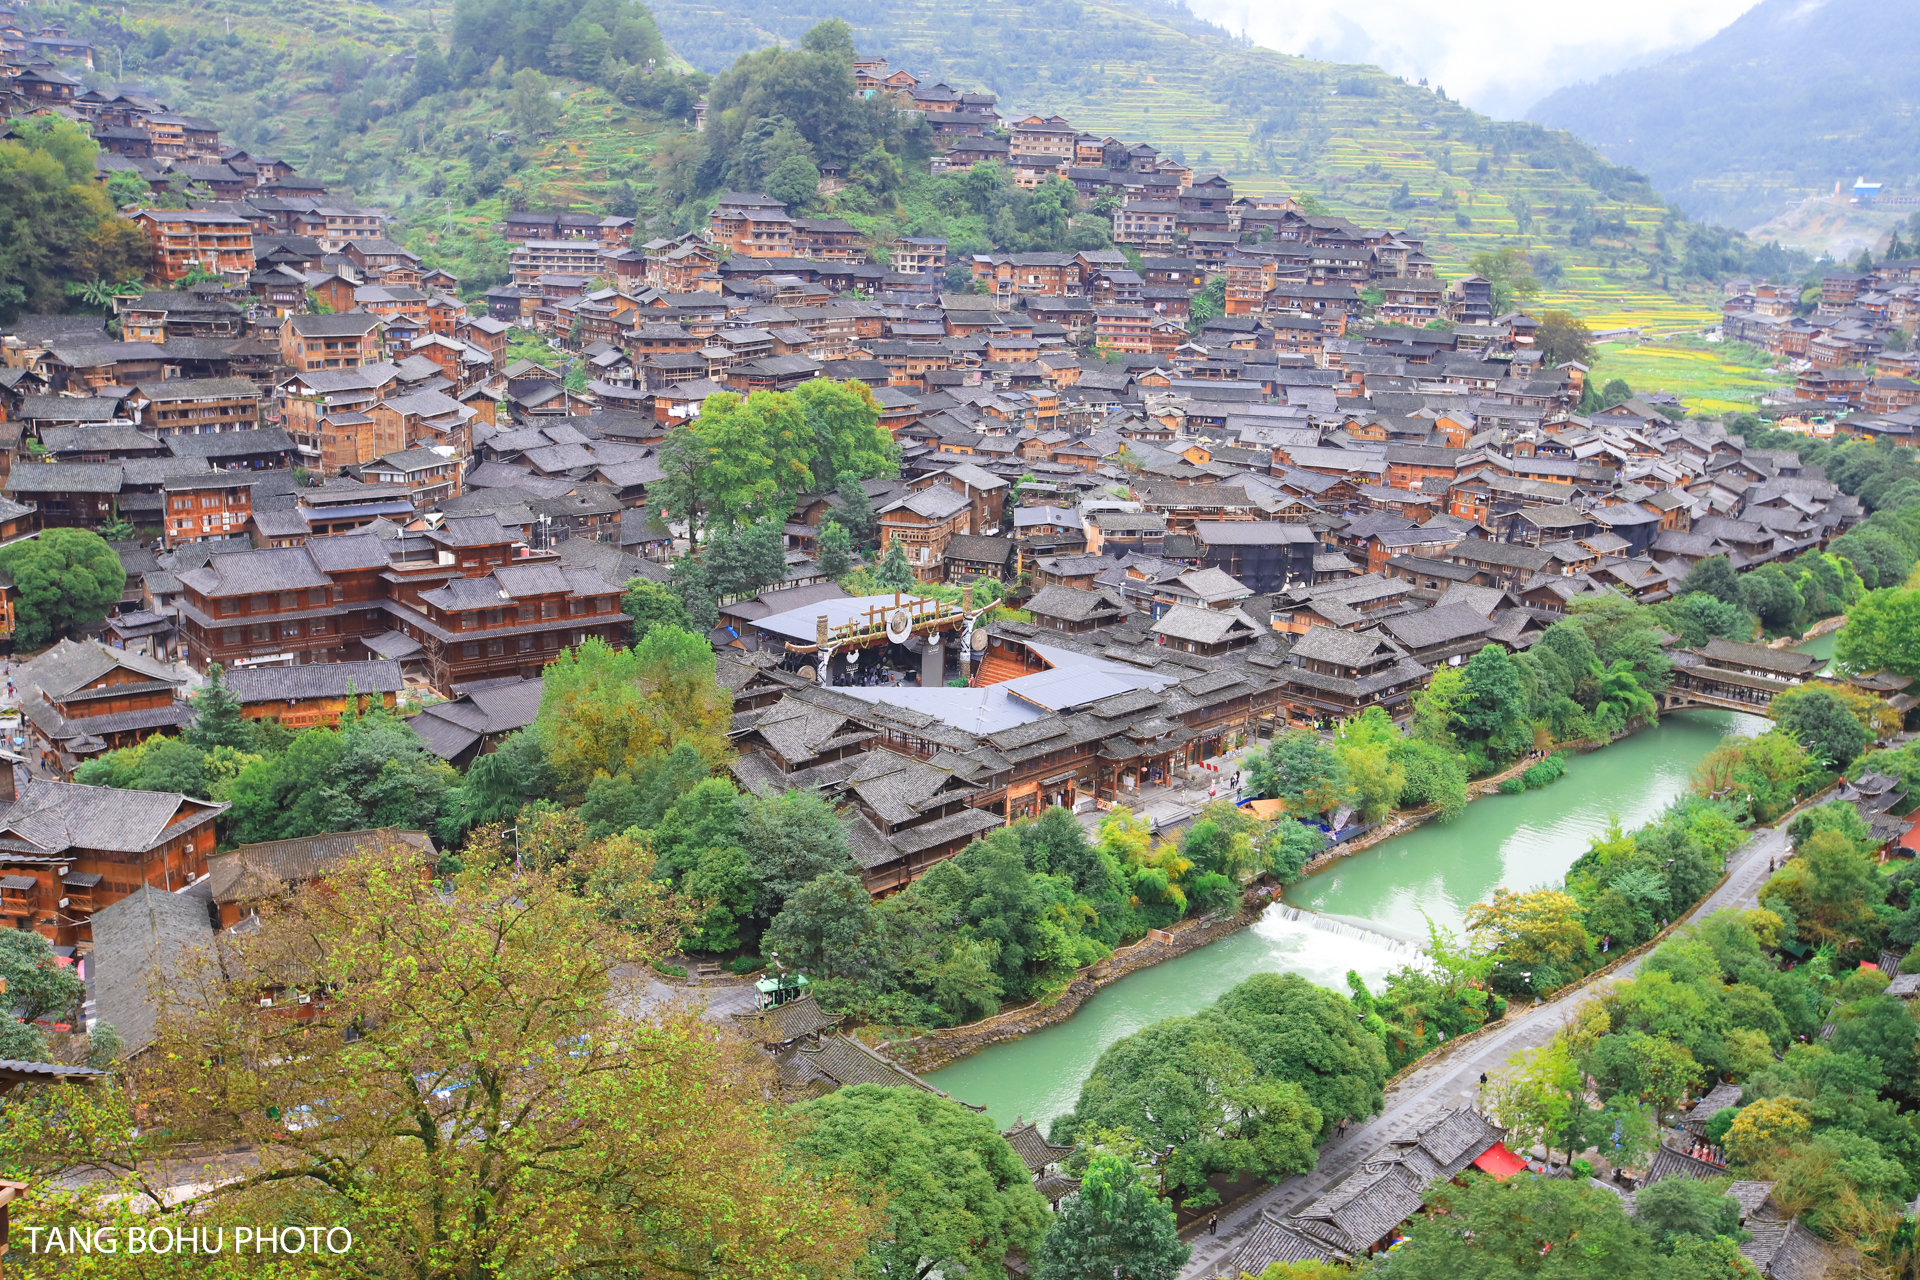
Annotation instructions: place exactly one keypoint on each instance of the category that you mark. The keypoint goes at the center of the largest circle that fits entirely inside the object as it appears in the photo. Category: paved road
(1454, 1080)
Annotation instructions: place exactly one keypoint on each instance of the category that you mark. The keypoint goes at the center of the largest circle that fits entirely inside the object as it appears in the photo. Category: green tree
(1824, 726)
(1769, 594)
(430, 73)
(791, 839)
(1554, 1228)
(652, 604)
(1435, 707)
(67, 580)
(1716, 577)
(795, 182)
(1302, 770)
(216, 715)
(1493, 713)
(957, 1198)
(829, 929)
(1562, 338)
(680, 493)
(61, 225)
(742, 562)
(893, 573)
(760, 453)
(1211, 302)
(849, 444)
(1365, 746)
(1510, 272)
(690, 581)
(836, 551)
(1113, 1229)
(1881, 1028)
(604, 709)
(497, 786)
(531, 102)
(1882, 633)
(854, 512)
(37, 985)
(374, 771)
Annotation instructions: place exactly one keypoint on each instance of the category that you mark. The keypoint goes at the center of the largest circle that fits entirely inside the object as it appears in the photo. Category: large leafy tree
(1302, 770)
(604, 709)
(743, 562)
(1554, 1228)
(1114, 1229)
(1493, 713)
(759, 454)
(67, 579)
(547, 1132)
(651, 604)
(374, 771)
(849, 442)
(1246, 1084)
(957, 1198)
(61, 226)
(1882, 633)
(1715, 576)
(1824, 726)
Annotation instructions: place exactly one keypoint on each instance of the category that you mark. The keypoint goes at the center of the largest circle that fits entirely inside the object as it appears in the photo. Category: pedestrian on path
(1213, 1224)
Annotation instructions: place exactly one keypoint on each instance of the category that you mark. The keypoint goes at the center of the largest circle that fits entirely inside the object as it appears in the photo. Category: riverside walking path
(1453, 1078)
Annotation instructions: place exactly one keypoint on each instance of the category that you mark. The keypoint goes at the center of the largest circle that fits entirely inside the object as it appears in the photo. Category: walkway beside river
(1452, 1080)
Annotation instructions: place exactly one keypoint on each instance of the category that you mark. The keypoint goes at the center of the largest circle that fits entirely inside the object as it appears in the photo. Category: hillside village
(1216, 516)
(1253, 469)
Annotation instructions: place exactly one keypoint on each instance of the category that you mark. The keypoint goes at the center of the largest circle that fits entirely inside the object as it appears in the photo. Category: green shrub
(670, 970)
(1512, 786)
(1548, 771)
(744, 965)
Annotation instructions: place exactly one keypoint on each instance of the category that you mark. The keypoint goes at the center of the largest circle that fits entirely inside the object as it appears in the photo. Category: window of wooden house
(493, 617)
(317, 597)
(229, 607)
(495, 648)
(470, 650)
(526, 613)
(232, 635)
(576, 605)
(261, 631)
(257, 604)
(289, 629)
(289, 599)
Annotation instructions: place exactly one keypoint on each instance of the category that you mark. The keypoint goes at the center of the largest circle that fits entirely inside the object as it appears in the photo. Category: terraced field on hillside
(1710, 378)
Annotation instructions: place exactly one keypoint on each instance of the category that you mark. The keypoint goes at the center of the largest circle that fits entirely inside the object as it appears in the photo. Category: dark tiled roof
(315, 680)
(145, 943)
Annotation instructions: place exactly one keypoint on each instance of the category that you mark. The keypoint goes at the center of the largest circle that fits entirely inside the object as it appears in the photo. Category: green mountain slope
(330, 88)
(1349, 135)
(1787, 100)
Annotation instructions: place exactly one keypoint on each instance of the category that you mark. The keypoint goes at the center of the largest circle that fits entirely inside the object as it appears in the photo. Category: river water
(1365, 902)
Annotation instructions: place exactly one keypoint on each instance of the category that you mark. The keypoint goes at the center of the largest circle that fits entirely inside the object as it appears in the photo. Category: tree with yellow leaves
(1537, 930)
(445, 1075)
(608, 710)
(1764, 1131)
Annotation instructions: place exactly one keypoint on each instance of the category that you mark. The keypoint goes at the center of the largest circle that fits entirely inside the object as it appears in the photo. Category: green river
(1366, 901)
